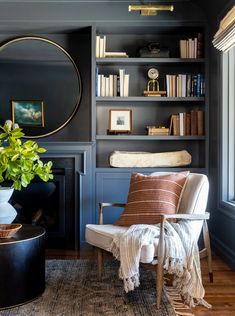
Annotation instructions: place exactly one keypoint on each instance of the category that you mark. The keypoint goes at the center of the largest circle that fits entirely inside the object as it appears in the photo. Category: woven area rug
(72, 289)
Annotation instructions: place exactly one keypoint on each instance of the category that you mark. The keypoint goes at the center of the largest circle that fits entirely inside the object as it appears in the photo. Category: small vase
(7, 211)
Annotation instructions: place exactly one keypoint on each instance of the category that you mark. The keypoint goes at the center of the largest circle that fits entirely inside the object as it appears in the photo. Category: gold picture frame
(28, 113)
(120, 121)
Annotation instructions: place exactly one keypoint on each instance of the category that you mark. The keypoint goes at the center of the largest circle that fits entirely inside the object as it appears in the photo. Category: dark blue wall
(67, 18)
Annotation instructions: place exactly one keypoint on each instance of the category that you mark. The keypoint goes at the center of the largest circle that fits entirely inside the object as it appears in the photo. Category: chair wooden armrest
(204, 216)
(103, 204)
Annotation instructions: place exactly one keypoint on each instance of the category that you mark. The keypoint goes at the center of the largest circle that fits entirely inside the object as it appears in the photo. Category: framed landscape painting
(28, 113)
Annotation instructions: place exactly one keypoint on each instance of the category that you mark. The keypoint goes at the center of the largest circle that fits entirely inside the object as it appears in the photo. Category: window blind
(224, 39)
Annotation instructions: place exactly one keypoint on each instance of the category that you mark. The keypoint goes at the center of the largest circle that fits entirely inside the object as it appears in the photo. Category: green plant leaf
(20, 161)
(41, 150)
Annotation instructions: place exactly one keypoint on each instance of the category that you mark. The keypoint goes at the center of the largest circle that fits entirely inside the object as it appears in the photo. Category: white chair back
(194, 198)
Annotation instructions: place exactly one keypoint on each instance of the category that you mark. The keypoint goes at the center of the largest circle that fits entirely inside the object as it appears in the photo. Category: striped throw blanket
(181, 258)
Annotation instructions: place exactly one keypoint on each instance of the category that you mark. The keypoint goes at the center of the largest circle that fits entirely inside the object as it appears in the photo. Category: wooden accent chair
(192, 208)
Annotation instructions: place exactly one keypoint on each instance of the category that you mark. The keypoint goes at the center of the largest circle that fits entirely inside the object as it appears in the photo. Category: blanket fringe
(176, 302)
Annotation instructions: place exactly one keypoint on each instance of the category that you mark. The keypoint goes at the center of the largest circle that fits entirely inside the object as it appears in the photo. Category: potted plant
(20, 163)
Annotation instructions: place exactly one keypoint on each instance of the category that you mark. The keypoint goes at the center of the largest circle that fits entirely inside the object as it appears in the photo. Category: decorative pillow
(150, 196)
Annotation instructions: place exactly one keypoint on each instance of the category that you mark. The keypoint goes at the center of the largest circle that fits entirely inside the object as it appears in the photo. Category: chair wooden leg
(100, 263)
(161, 251)
(206, 239)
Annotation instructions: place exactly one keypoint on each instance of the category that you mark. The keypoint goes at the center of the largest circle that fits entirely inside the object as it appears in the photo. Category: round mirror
(40, 85)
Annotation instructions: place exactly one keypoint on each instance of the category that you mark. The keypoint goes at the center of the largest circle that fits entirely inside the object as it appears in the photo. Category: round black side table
(22, 266)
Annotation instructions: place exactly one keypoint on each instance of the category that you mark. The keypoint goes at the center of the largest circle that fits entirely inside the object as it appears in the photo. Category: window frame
(227, 141)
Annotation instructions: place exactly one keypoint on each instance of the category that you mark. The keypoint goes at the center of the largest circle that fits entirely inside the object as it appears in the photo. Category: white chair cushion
(101, 236)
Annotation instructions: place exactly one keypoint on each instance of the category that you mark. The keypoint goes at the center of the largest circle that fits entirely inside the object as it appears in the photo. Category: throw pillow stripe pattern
(151, 195)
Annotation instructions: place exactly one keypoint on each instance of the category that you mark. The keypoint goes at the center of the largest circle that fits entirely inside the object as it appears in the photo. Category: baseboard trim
(223, 251)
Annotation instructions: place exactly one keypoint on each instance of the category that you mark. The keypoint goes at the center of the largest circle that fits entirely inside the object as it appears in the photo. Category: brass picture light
(150, 9)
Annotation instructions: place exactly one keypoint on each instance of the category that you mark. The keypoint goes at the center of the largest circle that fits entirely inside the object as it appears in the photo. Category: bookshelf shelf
(150, 99)
(147, 61)
(149, 170)
(148, 138)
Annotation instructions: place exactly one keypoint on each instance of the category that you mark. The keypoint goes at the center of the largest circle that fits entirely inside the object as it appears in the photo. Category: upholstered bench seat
(101, 236)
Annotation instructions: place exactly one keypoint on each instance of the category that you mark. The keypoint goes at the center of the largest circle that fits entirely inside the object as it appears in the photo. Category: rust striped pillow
(151, 195)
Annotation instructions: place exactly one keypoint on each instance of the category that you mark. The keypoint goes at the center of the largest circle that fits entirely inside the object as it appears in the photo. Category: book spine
(181, 124)
(200, 45)
(106, 86)
(188, 124)
(126, 85)
(103, 86)
(202, 86)
(102, 46)
(183, 87)
(168, 86)
(175, 125)
(193, 122)
(121, 76)
(111, 85)
(200, 123)
(194, 86)
(189, 85)
(183, 53)
(195, 48)
(98, 93)
(97, 47)
(115, 85)
(198, 88)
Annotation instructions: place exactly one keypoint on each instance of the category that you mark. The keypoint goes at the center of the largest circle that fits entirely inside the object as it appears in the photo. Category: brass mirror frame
(76, 106)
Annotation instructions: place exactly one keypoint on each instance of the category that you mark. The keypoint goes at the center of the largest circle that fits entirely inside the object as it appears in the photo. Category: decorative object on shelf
(130, 159)
(9, 230)
(153, 84)
(157, 131)
(19, 164)
(154, 50)
(28, 113)
(120, 121)
(150, 9)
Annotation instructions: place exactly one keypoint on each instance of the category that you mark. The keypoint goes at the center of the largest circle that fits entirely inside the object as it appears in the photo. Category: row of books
(188, 123)
(185, 85)
(192, 47)
(101, 49)
(113, 85)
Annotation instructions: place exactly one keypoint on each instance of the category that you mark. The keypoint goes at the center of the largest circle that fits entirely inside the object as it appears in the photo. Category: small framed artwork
(120, 121)
(28, 113)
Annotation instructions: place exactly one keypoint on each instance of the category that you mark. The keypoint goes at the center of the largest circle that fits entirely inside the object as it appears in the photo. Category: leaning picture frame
(120, 120)
(28, 113)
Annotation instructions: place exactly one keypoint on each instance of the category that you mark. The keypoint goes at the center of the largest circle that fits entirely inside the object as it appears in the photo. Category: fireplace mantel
(81, 152)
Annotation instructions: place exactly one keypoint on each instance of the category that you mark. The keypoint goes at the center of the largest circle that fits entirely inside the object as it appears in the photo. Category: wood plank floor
(220, 293)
